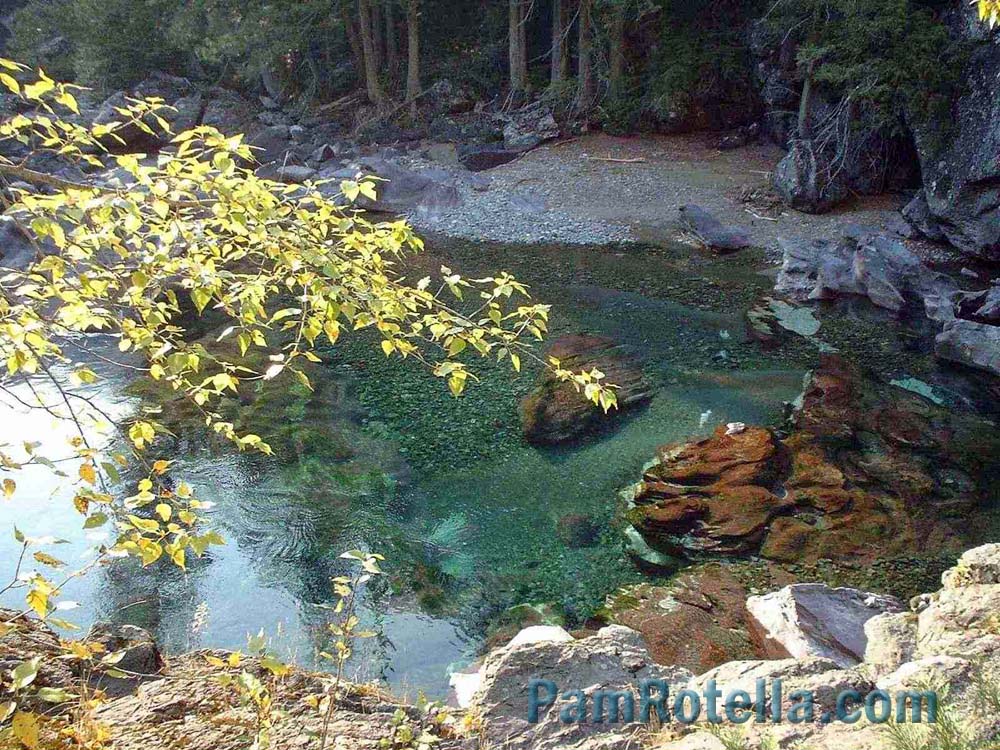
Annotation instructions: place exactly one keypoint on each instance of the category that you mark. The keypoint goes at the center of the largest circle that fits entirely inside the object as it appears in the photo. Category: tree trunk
(585, 70)
(372, 84)
(354, 40)
(413, 55)
(805, 105)
(517, 54)
(616, 74)
(378, 40)
(391, 43)
(558, 44)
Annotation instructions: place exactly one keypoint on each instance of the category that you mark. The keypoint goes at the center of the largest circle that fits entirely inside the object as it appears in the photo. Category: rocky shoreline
(809, 635)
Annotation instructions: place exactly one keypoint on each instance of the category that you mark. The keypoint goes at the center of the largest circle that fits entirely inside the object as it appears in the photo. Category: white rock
(811, 619)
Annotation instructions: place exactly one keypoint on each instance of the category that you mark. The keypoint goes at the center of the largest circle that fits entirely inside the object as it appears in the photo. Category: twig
(636, 160)
(758, 216)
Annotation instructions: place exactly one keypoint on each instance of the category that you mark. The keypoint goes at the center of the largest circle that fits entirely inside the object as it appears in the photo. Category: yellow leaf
(87, 473)
(163, 511)
(9, 487)
(25, 728)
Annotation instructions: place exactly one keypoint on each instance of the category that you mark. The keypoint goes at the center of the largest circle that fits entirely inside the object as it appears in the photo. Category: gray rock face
(981, 307)
(871, 265)
(615, 659)
(711, 231)
(972, 344)
(16, 249)
(811, 619)
(918, 214)
(958, 159)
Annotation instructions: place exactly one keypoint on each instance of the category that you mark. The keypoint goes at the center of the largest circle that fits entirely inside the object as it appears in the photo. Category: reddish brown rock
(698, 621)
(555, 412)
(868, 470)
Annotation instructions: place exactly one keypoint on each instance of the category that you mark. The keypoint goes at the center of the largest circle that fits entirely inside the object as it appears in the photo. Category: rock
(711, 231)
(274, 145)
(182, 111)
(872, 265)
(811, 619)
(554, 412)
(29, 639)
(980, 307)
(802, 179)
(698, 621)
(480, 158)
(290, 173)
(227, 112)
(529, 127)
(576, 530)
(867, 470)
(17, 251)
(891, 641)
(404, 190)
(972, 344)
(918, 214)
(140, 657)
(615, 659)
(980, 565)
(711, 495)
(957, 150)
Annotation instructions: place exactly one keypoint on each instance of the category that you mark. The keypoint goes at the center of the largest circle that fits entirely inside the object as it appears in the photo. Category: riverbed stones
(812, 619)
(866, 470)
(555, 412)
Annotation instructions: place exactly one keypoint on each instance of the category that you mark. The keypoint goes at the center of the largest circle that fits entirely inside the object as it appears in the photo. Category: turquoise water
(465, 512)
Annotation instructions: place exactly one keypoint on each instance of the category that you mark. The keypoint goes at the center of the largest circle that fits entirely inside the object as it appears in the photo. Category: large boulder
(958, 152)
(182, 110)
(971, 344)
(812, 619)
(712, 232)
(404, 191)
(478, 158)
(555, 412)
(615, 659)
(868, 264)
(529, 127)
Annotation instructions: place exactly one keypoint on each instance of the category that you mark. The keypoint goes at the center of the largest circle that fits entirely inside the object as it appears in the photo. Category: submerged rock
(711, 231)
(811, 619)
(867, 470)
(555, 412)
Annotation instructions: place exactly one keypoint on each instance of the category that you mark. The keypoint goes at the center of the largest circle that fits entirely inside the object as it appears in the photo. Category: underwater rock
(867, 470)
(554, 412)
(577, 530)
